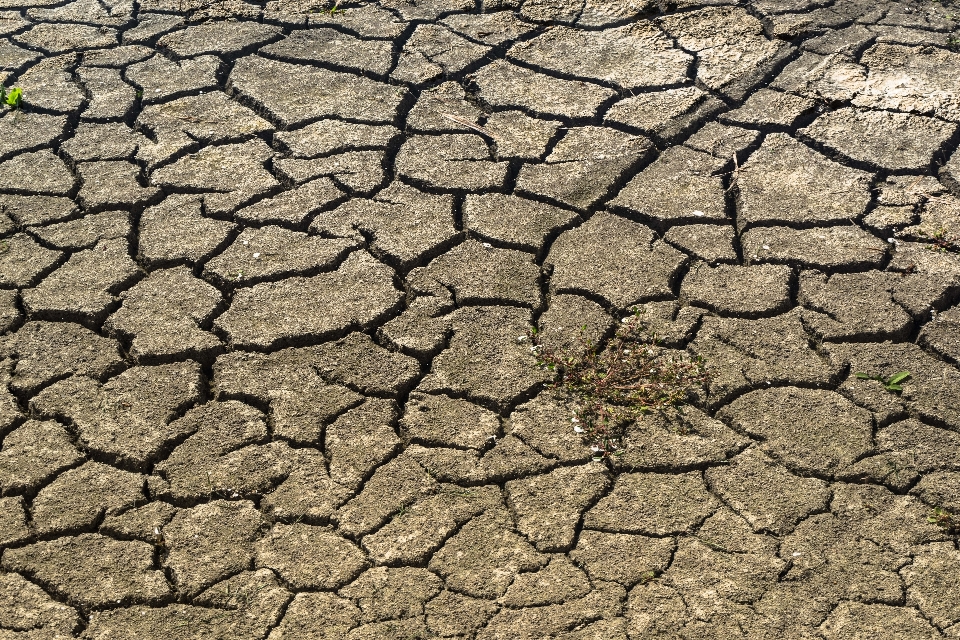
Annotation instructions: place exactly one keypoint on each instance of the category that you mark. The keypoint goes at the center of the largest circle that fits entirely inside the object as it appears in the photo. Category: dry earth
(265, 271)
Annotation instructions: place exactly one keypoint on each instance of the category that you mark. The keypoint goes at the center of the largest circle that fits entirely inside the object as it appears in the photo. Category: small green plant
(13, 98)
(908, 470)
(944, 242)
(618, 383)
(943, 518)
(891, 384)
(335, 9)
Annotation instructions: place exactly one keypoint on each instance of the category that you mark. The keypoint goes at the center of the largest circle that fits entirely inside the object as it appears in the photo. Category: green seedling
(891, 384)
(896, 468)
(944, 242)
(13, 98)
(942, 518)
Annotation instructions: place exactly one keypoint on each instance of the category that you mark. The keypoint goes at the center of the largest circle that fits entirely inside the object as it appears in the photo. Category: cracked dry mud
(266, 269)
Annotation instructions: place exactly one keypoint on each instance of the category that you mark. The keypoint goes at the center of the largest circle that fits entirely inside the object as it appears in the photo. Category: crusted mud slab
(267, 270)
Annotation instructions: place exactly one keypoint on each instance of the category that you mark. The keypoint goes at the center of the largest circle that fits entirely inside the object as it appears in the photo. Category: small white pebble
(256, 255)
(487, 245)
(594, 448)
(796, 554)
(767, 247)
(578, 429)
(699, 214)
(574, 420)
(522, 339)
(246, 242)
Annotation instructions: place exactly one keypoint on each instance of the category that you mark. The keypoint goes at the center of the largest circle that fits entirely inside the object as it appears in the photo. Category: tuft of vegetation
(944, 242)
(648, 576)
(617, 383)
(13, 98)
(891, 384)
(943, 519)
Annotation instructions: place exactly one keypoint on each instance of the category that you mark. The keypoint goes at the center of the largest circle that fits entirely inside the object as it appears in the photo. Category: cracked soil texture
(267, 266)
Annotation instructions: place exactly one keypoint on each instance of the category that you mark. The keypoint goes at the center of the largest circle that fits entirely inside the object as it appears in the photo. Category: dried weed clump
(617, 383)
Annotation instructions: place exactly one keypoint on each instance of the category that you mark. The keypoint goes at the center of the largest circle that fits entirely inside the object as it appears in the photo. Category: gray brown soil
(267, 269)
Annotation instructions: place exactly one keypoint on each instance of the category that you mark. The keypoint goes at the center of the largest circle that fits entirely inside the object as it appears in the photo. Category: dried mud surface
(266, 269)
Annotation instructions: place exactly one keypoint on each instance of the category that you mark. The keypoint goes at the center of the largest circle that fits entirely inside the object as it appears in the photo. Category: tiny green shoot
(648, 576)
(944, 242)
(892, 384)
(942, 518)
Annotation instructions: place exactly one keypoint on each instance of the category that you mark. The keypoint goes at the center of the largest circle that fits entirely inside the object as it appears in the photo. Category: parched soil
(268, 268)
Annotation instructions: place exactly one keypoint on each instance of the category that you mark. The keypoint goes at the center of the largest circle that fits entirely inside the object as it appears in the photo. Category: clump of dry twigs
(616, 383)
